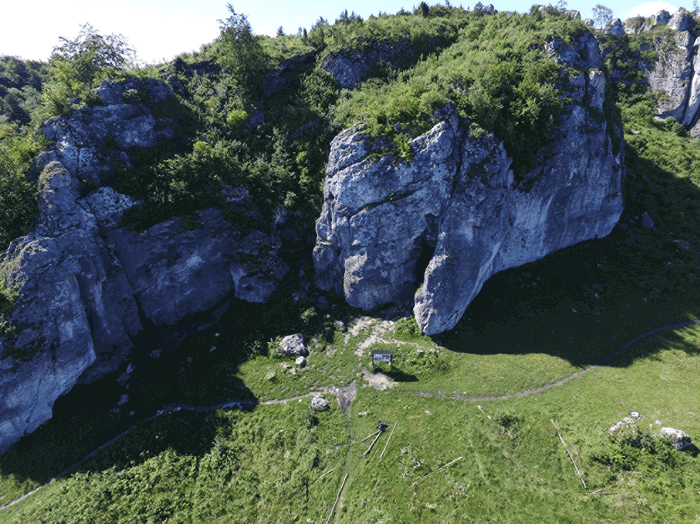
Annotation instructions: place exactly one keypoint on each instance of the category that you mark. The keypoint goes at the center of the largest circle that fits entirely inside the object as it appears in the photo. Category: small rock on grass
(319, 403)
(301, 362)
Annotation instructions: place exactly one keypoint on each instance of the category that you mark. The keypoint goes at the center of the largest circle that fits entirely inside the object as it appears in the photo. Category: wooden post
(387, 440)
(337, 499)
(437, 470)
(326, 473)
(570, 457)
(373, 434)
(379, 434)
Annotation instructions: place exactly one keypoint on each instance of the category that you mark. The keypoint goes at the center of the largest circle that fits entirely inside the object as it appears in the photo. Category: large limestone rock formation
(86, 285)
(675, 73)
(457, 205)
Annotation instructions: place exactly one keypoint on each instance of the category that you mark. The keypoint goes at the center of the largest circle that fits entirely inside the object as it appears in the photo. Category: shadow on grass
(588, 301)
(195, 366)
(397, 375)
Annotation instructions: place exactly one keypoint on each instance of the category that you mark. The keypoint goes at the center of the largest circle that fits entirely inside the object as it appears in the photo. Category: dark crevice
(426, 252)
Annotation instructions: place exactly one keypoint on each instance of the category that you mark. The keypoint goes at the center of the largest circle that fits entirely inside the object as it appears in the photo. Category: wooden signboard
(382, 355)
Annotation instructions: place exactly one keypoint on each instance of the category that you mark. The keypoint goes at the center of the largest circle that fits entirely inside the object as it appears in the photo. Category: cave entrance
(426, 255)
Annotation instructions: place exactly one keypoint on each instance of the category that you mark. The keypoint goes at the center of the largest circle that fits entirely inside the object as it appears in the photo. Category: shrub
(236, 118)
(18, 198)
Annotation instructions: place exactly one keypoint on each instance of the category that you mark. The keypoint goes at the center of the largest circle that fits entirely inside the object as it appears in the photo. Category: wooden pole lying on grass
(437, 470)
(570, 457)
(373, 434)
(598, 491)
(337, 499)
(379, 434)
(326, 473)
(387, 440)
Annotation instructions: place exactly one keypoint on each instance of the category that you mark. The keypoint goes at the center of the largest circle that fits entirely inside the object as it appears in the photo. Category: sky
(159, 30)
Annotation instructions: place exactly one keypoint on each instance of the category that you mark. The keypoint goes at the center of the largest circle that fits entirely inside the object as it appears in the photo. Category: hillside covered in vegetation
(232, 149)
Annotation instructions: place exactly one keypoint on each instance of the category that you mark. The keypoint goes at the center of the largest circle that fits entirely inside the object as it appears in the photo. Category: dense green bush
(18, 198)
(497, 75)
(77, 65)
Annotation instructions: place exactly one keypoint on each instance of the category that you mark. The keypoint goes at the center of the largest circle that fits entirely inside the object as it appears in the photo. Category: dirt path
(239, 403)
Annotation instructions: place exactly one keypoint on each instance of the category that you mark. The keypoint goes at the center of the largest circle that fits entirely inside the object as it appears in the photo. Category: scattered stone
(362, 414)
(292, 345)
(625, 430)
(679, 439)
(123, 400)
(322, 302)
(300, 361)
(636, 415)
(284, 365)
(156, 353)
(319, 403)
(647, 221)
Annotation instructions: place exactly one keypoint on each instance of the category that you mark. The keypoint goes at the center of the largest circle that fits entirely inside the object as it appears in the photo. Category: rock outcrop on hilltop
(458, 209)
(675, 73)
(87, 285)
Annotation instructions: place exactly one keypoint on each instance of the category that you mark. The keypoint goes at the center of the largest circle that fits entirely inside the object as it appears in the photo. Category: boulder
(293, 345)
(679, 439)
(625, 431)
(457, 208)
(300, 361)
(319, 403)
(647, 222)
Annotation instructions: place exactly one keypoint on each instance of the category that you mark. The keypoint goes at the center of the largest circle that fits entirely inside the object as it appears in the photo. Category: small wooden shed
(382, 355)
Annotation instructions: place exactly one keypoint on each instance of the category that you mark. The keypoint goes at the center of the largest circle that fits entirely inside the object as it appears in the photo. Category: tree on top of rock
(602, 16)
(243, 55)
(76, 64)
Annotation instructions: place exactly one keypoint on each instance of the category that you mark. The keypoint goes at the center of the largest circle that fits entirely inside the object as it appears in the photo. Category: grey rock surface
(300, 361)
(626, 430)
(293, 345)
(458, 205)
(85, 284)
(349, 68)
(615, 28)
(647, 221)
(675, 73)
(81, 137)
(75, 303)
(319, 403)
(679, 439)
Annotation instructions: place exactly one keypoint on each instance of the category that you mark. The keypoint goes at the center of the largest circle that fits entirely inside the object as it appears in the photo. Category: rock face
(676, 71)
(457, 208)
(86, 285)
(349, 68)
